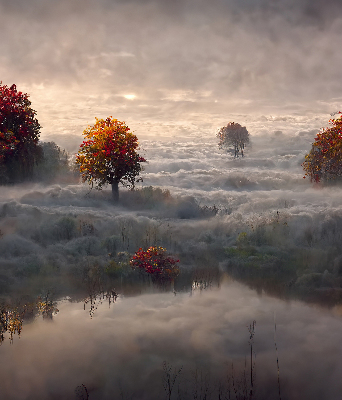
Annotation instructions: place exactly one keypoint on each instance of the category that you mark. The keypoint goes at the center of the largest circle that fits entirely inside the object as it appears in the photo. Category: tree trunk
(115, 191)
(236, 150)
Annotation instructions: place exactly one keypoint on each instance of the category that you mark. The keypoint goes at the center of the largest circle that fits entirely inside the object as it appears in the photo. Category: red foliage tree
(324, 161)
(109, 155)
(233, 135)
(154, 261)
(19, 135)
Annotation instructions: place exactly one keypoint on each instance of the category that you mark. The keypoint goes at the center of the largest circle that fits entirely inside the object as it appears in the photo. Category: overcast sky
(185, 61)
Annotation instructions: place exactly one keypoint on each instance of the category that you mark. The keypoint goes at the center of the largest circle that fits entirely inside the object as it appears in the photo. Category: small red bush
(154, 261)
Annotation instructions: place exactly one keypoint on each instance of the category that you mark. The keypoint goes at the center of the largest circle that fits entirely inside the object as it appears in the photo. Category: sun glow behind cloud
(129, 96)
(222, 60)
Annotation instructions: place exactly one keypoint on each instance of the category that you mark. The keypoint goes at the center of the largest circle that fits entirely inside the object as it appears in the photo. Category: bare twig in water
(275, 344)
(170, 378)
(251, 331)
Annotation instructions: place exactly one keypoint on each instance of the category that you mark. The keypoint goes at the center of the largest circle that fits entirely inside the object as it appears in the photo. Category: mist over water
(250, 217)
(121, 350)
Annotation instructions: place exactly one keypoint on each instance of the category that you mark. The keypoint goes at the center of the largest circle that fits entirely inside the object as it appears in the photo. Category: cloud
(262, 52)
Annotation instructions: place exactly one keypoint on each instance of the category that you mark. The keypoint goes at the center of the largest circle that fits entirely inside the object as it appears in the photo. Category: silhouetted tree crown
(324, 161)
(108, 155)
(233, 135)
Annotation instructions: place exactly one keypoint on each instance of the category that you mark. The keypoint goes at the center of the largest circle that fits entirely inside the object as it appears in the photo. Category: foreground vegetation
(269, 252)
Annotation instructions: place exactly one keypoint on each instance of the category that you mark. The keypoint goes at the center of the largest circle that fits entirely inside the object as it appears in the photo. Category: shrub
(155, 262)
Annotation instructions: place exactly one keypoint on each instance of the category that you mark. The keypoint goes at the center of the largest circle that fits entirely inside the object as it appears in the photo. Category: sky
(168, 66)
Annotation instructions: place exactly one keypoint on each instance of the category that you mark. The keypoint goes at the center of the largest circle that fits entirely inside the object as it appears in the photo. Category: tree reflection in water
(97, 298)
(95, 283)
(11, 321)
(12, 316)
(204, 278)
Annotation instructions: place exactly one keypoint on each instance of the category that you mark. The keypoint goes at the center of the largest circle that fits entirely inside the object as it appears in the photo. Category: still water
(186, 345)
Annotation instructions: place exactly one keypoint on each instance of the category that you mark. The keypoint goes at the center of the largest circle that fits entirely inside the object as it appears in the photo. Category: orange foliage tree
(233, 135)
(324, 161)
(154, 261)
(108, 155)
(19, 135)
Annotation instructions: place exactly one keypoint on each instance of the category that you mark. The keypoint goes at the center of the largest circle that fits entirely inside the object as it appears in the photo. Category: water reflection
(97, 298)
(205, 278)
(11, 321)
(14, 314)
(200, 346)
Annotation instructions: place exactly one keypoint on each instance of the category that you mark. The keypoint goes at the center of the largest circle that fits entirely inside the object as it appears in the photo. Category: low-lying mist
(252, 219)
(255, 217)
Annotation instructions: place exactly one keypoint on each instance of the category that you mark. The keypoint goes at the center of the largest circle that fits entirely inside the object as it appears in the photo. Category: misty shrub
(85, 246)
(86, 228)
(14, 245)
(29, 266)
(187, 208)
(162, 201)
(65, 228)
(207, 237)
(110, 244)
(146, 197)
(271, 234)
(242, 240)
(243, 252)
(118, 269)
(330, 230)
(313, 259)
(52, 230)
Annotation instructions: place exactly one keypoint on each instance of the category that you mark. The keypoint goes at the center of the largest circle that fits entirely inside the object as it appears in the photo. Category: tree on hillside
(324, 161)
(109, 155)
(233, 135)
(19, 135)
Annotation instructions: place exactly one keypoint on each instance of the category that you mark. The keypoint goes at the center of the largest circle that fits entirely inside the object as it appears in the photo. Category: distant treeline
(51, 163)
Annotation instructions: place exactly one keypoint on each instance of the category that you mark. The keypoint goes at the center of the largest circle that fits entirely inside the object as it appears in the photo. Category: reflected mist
(201, 339)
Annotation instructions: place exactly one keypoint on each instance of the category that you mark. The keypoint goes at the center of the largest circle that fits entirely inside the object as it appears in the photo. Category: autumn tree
(233, 135)
(108, 155)
(324, 161)
(19, 135)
